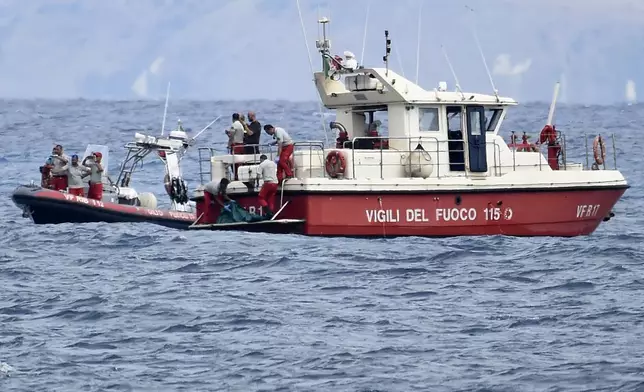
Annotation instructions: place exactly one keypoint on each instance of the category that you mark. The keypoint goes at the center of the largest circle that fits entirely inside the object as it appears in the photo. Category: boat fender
(599, 150)
(335, 164)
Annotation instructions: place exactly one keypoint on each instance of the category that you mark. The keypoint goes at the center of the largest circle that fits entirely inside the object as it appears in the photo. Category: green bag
(234, 213)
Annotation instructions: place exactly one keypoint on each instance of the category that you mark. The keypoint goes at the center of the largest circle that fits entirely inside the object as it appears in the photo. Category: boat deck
(277, 226)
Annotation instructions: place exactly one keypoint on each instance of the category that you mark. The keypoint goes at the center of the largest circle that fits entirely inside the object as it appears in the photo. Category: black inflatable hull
(45, 206)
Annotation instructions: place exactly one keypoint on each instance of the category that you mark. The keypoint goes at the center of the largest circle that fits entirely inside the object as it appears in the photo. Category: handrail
(310, 144)
(498, 155)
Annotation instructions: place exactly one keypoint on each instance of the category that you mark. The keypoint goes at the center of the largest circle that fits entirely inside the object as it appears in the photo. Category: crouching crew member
(75, 175)
(221, 197)
(267, 171)
(59, 172)
(93, 162)
(284, 151)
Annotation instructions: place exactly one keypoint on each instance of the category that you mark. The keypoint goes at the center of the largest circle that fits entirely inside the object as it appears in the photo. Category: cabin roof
(394, 88)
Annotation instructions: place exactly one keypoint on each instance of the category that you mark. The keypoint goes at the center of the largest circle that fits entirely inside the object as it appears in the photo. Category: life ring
(599, 150)
(335, 164)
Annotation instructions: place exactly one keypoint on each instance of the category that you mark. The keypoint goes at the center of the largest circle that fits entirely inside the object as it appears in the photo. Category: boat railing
(564, 161)
(205, 157)
(412, 142)
(589, 143)
(310, 146)
(206, 154)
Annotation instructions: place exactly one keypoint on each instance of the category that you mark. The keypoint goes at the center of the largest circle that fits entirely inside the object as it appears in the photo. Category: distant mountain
(246, 49)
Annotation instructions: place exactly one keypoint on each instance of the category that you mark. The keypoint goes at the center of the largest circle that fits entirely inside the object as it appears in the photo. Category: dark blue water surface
(138, 307)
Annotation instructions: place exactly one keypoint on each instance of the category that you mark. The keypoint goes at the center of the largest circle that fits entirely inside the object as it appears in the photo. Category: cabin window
(428, 119)
(475, 122)
(492, 117)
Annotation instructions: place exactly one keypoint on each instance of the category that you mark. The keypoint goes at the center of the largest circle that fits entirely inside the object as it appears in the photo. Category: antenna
(449, 63)
(306, 43)
(165, 110)
(553, 103)
(326, 44)
(420, 14)
(478, 45)
(364, 36)
(402, 70)
(385, 58)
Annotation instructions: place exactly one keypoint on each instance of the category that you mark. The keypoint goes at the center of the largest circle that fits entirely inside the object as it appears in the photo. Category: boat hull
(46, 206)
(528, 212)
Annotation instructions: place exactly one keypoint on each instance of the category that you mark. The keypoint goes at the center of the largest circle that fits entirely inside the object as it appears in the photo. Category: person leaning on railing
(284, 151)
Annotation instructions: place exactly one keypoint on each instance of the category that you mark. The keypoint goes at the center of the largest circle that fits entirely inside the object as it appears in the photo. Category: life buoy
(599, 150)
(335, 164)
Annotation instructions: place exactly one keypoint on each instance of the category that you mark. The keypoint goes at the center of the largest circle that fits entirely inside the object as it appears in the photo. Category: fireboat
(442, 170)
(120, 202)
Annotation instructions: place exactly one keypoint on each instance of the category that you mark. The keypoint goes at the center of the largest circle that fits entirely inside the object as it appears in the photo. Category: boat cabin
(379, 109)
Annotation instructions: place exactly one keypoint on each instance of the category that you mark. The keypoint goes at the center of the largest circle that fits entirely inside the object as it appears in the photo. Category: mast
(324, 47)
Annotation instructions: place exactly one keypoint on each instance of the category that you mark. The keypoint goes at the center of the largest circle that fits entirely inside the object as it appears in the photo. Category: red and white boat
(442, 169)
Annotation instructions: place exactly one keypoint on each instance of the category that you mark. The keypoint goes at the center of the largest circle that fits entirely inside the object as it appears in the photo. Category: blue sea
(138, 307)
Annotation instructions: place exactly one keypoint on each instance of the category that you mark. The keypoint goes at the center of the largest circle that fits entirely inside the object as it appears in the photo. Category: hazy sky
(248, 49)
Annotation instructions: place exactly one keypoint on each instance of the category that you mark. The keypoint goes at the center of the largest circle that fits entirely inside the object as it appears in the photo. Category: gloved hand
(277, 160)
(227, 208)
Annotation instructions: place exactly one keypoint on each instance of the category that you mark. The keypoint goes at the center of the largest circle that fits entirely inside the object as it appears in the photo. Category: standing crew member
(93, 162)
(267, 171)
(284, 151)
(237, 131)
(252, 138)
(59, 174)
(45, 174)
(75, 175)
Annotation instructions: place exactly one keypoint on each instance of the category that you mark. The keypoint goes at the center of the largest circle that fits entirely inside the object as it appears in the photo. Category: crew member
(75, 175)
(251, 139)
(222, 197)
(284, 151)
(59, 174)
(267, 171)
(45, 174)
(93, 162)
(237, 135)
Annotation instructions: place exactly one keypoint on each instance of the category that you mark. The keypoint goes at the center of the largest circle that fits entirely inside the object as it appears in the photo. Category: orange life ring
(599, 150)
(335, 164)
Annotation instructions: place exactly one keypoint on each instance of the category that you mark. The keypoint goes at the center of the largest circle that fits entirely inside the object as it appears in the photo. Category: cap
(74, 156)
(267, 127)
(98, 154)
